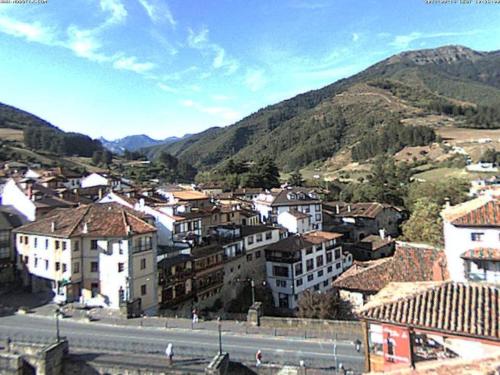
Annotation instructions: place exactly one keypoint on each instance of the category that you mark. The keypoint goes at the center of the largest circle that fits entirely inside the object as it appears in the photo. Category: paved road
(201, 344)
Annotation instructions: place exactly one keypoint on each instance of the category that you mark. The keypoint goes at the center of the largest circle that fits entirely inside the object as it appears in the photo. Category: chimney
(100, 194)
(382, 233)
(53, 226)
(337, 209)
(129, 230)
(447, 202)
(348, 208)
(85, 228)
(30, 190)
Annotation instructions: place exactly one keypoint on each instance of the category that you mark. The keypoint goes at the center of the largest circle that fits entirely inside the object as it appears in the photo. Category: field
(438, 174)
(11, 134)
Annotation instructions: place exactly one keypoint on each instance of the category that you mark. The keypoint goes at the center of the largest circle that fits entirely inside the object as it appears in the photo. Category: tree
(438, 192)
(264, 173)
(490, 156)
(319, 305)
(425, 223)
(295, 179)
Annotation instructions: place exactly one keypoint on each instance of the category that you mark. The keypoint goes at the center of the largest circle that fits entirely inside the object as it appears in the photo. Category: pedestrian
(357, 343)
(258, 358)
(195, 316)
(170, 353)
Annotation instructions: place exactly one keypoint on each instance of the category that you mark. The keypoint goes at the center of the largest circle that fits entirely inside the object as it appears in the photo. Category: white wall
(458, 240)
(14, 196)
(94, 179)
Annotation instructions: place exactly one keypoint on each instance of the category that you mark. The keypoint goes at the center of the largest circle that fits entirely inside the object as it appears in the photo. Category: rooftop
(298, 242)
(290, 196)
(95, 220)
(363, 209)
(482, 211)
(189, 195)
(482, 253)
(376, 241)
(468, 309)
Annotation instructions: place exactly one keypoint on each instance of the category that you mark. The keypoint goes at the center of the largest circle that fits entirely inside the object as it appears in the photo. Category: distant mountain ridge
(136, 142)
(315, 125)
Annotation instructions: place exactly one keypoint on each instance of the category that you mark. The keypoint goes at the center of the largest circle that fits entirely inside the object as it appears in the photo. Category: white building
(295, 221)
(99, 250)
(96, 179)
(271, 204)
(472, 240)
(310, 261)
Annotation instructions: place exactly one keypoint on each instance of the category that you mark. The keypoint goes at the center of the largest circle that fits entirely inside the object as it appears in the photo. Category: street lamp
(252, 284)
(219, 325)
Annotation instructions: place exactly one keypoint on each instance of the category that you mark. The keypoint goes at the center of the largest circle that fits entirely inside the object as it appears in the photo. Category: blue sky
(168, 67)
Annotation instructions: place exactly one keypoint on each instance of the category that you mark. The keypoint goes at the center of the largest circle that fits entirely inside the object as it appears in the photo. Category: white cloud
(167, 88)
(130, 63)
(254, 79)
(221, 60)
(84, 44)
(404, 41)
(355, 37)
(158, 11)
(117, 10)
(225, 114)
(33, 32)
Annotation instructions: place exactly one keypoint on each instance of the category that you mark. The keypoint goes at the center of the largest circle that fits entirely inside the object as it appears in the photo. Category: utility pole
(335, 354)
(58, 337)
(219, 325)
(252, 284)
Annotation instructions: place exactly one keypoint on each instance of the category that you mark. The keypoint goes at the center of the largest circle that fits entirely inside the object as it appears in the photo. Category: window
(46, 244)
(64, 245)
(121, 295)
(337, 254)
(76, 267)
(329, 257)
(298, 282)
(318, 217)
(249, 257)
(26, 240)
(46, 264)
(76, 247)
(316, 287)
(476, 236)
(309, 251)
(310, 277)
(93, 244)
(143, 263)
(325, 283)
(259, 237)
(94, 267)
(280, 271)
(143, 290)
(319, 248)
(250, 240)
(281, 283)
(57, 244)
(330, 269)
(121, 267)
(317, 207)
(257, 254)
(309, 264)
(319, 260)
(269, 235)
(320, 273)
(337, 265)
(36, 242)
(64, 267)
(298, 269)
(36, 262)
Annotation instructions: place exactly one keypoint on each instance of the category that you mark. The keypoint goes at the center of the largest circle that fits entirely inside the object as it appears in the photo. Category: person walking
(258, 358)
(170, 353)
(357, 344)
(195, 316)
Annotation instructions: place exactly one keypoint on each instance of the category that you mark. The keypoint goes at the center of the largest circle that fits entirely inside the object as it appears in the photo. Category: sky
(169, 67)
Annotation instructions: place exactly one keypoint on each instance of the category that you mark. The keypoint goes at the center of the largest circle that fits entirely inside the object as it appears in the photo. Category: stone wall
(341, 328)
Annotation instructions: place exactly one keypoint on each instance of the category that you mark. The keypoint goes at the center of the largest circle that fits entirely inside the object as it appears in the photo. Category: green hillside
(316, 125)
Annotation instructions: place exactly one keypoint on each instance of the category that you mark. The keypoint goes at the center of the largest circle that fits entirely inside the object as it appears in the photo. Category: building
(9, 219)
(359, 220)
(96, 179)
(244, 255)
(209, 274)
(295, 221)
(410, 262)
(175, 280)
(309, 261)
(102, 251)
(409, 324)
(372, 247)
(271, 204)
(471, 236)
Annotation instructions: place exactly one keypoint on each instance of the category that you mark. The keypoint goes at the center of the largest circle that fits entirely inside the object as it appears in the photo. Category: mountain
(15, 118)
(406, 88)
(136, 142)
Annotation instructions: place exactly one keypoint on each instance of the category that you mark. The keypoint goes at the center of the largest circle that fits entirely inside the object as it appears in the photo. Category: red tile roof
(482, 253)
(471, 309)
(487, 214)
(96, 220)
(410, 262)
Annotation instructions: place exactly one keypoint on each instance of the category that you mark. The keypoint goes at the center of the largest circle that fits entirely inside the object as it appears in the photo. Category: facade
(96, 179)
(9, 219)
(209, 274)
(310, 261)
(471, 235)
(99, 251)
(175, 280)
(271, 204)
(295, 221)
(359, 220)
(372, 247)
(410, 324)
